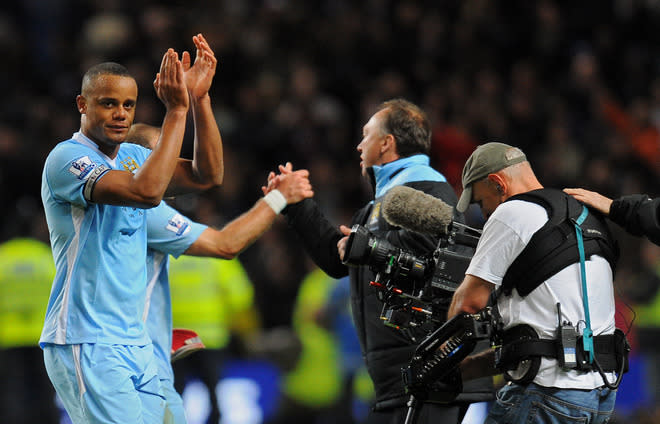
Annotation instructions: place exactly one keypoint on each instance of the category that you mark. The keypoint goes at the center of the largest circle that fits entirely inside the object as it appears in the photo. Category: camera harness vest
(570, 229)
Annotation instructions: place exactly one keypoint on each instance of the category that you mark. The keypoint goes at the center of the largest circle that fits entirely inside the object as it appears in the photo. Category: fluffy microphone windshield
(415, 210)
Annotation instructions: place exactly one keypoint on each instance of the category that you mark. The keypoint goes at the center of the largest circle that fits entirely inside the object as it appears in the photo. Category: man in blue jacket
(393, 151)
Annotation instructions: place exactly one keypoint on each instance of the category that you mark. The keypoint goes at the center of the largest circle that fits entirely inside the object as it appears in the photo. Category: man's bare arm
(471, 296)
(208, 162)
(206, 169)
(240, 233)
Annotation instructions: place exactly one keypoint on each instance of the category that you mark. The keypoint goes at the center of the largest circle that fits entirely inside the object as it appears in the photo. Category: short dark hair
(409, 125)
(105, 68)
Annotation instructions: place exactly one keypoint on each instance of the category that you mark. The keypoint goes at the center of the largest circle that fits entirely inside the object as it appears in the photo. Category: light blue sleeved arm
(71, 171)
(168, 231)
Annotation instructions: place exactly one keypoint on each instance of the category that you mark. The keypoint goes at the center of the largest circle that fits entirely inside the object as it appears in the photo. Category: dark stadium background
(576, 85)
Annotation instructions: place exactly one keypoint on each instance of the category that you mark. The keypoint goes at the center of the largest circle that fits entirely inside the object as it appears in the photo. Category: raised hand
(199, 76)
(295, 186)
(169, 83)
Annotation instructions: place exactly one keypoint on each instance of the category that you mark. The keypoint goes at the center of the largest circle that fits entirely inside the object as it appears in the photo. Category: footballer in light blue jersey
(97, 350)
(99, 289)
(169, 233)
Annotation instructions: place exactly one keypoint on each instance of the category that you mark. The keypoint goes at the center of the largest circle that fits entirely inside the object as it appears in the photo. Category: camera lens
(411, 266)
(381, 252)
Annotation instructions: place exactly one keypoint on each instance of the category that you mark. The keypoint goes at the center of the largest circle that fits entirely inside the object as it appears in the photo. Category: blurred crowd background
(575, 84)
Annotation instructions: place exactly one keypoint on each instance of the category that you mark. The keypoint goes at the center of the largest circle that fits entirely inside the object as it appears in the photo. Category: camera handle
(414, 406)
(439, 353)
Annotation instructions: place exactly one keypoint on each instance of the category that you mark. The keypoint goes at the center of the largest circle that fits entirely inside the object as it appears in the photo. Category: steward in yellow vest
(26, 276)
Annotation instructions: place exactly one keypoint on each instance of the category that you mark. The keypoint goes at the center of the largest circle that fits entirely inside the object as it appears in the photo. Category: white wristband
(275, 200)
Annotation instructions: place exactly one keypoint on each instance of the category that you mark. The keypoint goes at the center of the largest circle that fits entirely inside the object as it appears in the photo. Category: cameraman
(541, 388)
(393, 151)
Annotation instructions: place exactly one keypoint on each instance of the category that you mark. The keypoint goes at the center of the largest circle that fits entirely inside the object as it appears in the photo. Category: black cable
(604, 377)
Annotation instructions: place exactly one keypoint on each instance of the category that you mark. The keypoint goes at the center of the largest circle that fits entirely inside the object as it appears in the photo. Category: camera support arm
(442, 351)
(438, 356)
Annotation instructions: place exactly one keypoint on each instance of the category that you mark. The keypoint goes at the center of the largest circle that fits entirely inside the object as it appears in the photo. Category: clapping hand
(199, 75)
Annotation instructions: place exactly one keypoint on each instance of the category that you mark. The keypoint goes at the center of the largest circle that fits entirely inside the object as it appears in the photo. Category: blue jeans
(534, 404)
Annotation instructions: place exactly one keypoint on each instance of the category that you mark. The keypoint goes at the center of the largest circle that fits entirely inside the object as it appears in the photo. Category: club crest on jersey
(81, 167)
(130, 164)
(178, 225)
(375, 213)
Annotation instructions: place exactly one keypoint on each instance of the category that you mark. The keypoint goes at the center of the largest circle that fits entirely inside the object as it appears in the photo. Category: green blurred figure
(329, 376)
(26, 275)
(215, 298)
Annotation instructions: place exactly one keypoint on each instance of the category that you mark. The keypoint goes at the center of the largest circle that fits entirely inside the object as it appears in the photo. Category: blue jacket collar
(383, 174)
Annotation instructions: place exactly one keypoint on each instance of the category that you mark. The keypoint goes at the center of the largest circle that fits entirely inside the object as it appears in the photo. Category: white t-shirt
(505, 235)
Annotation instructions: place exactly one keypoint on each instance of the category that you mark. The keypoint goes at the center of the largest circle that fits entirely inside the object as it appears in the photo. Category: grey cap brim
(465, 199)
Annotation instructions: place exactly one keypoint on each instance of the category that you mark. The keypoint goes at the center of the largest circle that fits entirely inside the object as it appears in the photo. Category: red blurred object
(184, 342)
(451, 146)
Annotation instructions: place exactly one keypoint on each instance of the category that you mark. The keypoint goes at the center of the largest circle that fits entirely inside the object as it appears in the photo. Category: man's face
(108, 109)
(486, 196)
(373, 137)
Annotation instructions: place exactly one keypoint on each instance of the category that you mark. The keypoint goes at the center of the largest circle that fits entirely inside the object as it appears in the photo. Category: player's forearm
(244, 230)
(208, 161)
(237, 235)
(155, 175)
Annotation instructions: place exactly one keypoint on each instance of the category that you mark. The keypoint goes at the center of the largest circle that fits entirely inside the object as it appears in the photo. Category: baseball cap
(486, 159)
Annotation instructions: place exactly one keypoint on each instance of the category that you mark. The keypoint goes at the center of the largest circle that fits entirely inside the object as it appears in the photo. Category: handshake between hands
(294, 185)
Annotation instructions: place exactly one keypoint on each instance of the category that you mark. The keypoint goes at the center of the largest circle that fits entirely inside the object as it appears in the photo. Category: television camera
(415, 290)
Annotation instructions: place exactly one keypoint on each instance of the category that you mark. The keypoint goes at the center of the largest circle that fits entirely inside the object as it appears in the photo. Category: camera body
(415, 290)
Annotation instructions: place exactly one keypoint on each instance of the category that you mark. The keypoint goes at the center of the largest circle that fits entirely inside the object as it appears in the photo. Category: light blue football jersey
(168, 233)
(99, 290)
